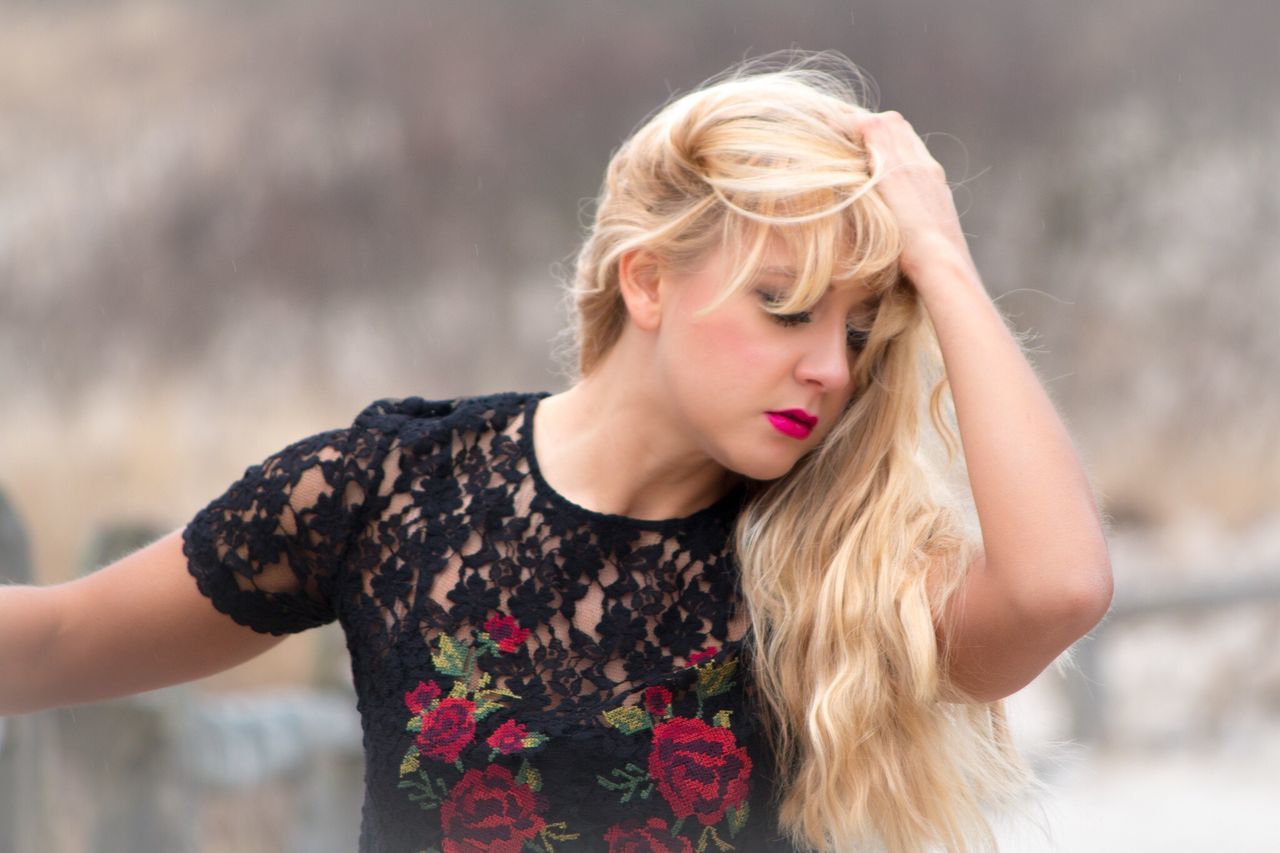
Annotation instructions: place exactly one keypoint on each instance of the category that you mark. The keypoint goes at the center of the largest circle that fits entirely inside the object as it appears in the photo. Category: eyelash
(857, 338)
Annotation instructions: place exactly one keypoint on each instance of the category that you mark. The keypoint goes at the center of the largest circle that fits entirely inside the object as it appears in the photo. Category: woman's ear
(639, 276)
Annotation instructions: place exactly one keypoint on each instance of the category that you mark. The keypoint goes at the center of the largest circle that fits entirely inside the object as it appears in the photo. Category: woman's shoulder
(413, 419)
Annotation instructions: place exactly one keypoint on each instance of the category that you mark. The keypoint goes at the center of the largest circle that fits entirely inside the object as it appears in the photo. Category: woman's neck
(608, 444)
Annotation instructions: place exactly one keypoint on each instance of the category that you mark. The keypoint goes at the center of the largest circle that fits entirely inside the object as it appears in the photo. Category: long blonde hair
(871, 742)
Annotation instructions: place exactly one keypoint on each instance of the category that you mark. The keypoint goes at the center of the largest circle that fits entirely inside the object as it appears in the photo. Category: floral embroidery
(489, 809)
(506, 632)
(697, 767)
(700, 769)
(652, 836)
(421, 696)
(657, 700)
(509, 738)
(447, 729)
(699, 656)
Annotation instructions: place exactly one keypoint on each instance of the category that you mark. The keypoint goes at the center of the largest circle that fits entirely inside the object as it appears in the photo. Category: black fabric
(530, 674)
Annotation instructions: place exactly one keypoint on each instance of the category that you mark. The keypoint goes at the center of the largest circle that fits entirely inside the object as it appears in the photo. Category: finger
(852, 121)
(896, 138)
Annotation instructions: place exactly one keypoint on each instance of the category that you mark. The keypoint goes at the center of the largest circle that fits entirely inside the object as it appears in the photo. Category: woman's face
(741, 377)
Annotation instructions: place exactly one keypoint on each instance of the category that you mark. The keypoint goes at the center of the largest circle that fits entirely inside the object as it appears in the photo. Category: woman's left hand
(914, 186)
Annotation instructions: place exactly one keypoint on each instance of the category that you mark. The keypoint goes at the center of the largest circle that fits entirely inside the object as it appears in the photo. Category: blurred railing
(1087, 687)
(174, 769)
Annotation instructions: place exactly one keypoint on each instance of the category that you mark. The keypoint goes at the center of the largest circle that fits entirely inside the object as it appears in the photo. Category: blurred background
(225, 225)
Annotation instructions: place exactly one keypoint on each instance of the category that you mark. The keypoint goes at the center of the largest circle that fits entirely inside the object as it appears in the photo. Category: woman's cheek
(740, 353)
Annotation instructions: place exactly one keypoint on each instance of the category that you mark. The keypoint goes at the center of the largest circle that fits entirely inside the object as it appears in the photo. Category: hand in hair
(913, 184)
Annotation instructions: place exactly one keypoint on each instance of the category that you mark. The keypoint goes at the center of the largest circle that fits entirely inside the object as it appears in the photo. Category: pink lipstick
(796, 423)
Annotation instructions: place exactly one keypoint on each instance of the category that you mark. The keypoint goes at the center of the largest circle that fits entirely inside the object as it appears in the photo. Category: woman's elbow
(1084, 598)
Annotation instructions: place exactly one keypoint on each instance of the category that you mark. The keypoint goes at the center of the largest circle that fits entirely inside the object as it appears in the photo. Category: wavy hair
(847, 560)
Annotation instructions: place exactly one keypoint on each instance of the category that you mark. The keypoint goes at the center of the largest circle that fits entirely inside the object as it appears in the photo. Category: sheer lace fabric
(529, 674)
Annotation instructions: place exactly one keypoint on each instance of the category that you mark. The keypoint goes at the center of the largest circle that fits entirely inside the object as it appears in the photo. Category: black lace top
(531, 675)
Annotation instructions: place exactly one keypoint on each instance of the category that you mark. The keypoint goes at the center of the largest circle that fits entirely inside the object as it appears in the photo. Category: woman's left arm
(1043, 576)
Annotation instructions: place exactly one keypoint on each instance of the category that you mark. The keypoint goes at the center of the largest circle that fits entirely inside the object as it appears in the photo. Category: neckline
(721, 507)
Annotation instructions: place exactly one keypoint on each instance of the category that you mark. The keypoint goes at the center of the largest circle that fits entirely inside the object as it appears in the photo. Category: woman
(709, 596)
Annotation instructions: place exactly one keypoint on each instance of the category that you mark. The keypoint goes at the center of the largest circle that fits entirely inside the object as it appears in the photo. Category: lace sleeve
(268, 552)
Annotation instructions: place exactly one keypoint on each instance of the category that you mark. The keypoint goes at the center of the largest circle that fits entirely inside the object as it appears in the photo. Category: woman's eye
(772, 299)
(856, 338)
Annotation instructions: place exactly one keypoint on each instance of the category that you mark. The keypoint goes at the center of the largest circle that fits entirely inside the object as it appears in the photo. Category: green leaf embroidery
(628, 719)
(721, 718)
(529, 775)
(709, 834)
(549, 836)
(410, 762)
(452, 657)
(426, 793)
(629, 780)
(714, 680)
(533, 739)
(738, 818)
(486, 642)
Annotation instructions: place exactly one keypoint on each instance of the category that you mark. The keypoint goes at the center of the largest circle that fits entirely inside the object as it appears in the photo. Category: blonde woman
(709, 597)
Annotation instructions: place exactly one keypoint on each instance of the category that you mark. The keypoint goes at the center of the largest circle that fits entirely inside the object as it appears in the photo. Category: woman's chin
(761, 467)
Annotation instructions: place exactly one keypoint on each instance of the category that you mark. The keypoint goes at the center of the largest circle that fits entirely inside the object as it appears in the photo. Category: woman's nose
(825, 361)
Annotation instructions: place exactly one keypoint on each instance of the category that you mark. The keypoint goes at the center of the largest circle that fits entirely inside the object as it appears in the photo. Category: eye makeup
(855, 337)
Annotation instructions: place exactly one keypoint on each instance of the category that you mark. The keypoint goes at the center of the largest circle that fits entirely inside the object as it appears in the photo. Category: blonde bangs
(859, 243)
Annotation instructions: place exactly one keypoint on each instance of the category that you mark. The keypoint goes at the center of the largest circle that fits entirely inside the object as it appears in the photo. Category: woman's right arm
(138, 624)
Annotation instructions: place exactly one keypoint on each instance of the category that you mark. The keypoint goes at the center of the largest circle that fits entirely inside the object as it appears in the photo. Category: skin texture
(136, 625)
(682, 397)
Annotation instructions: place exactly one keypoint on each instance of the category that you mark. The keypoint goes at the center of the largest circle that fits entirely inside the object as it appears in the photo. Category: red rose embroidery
(508, 738)
(700, 769)
(657, 700)
(506, 632)
(447, 729)
(487, 810)
(653, 836)
(699, 656)
(421, 696)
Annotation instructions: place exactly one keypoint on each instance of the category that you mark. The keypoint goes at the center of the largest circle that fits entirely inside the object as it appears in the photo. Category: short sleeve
(269, 551)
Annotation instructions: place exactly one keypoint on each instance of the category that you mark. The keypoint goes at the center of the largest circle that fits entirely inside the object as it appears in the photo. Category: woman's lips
(792, 422)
